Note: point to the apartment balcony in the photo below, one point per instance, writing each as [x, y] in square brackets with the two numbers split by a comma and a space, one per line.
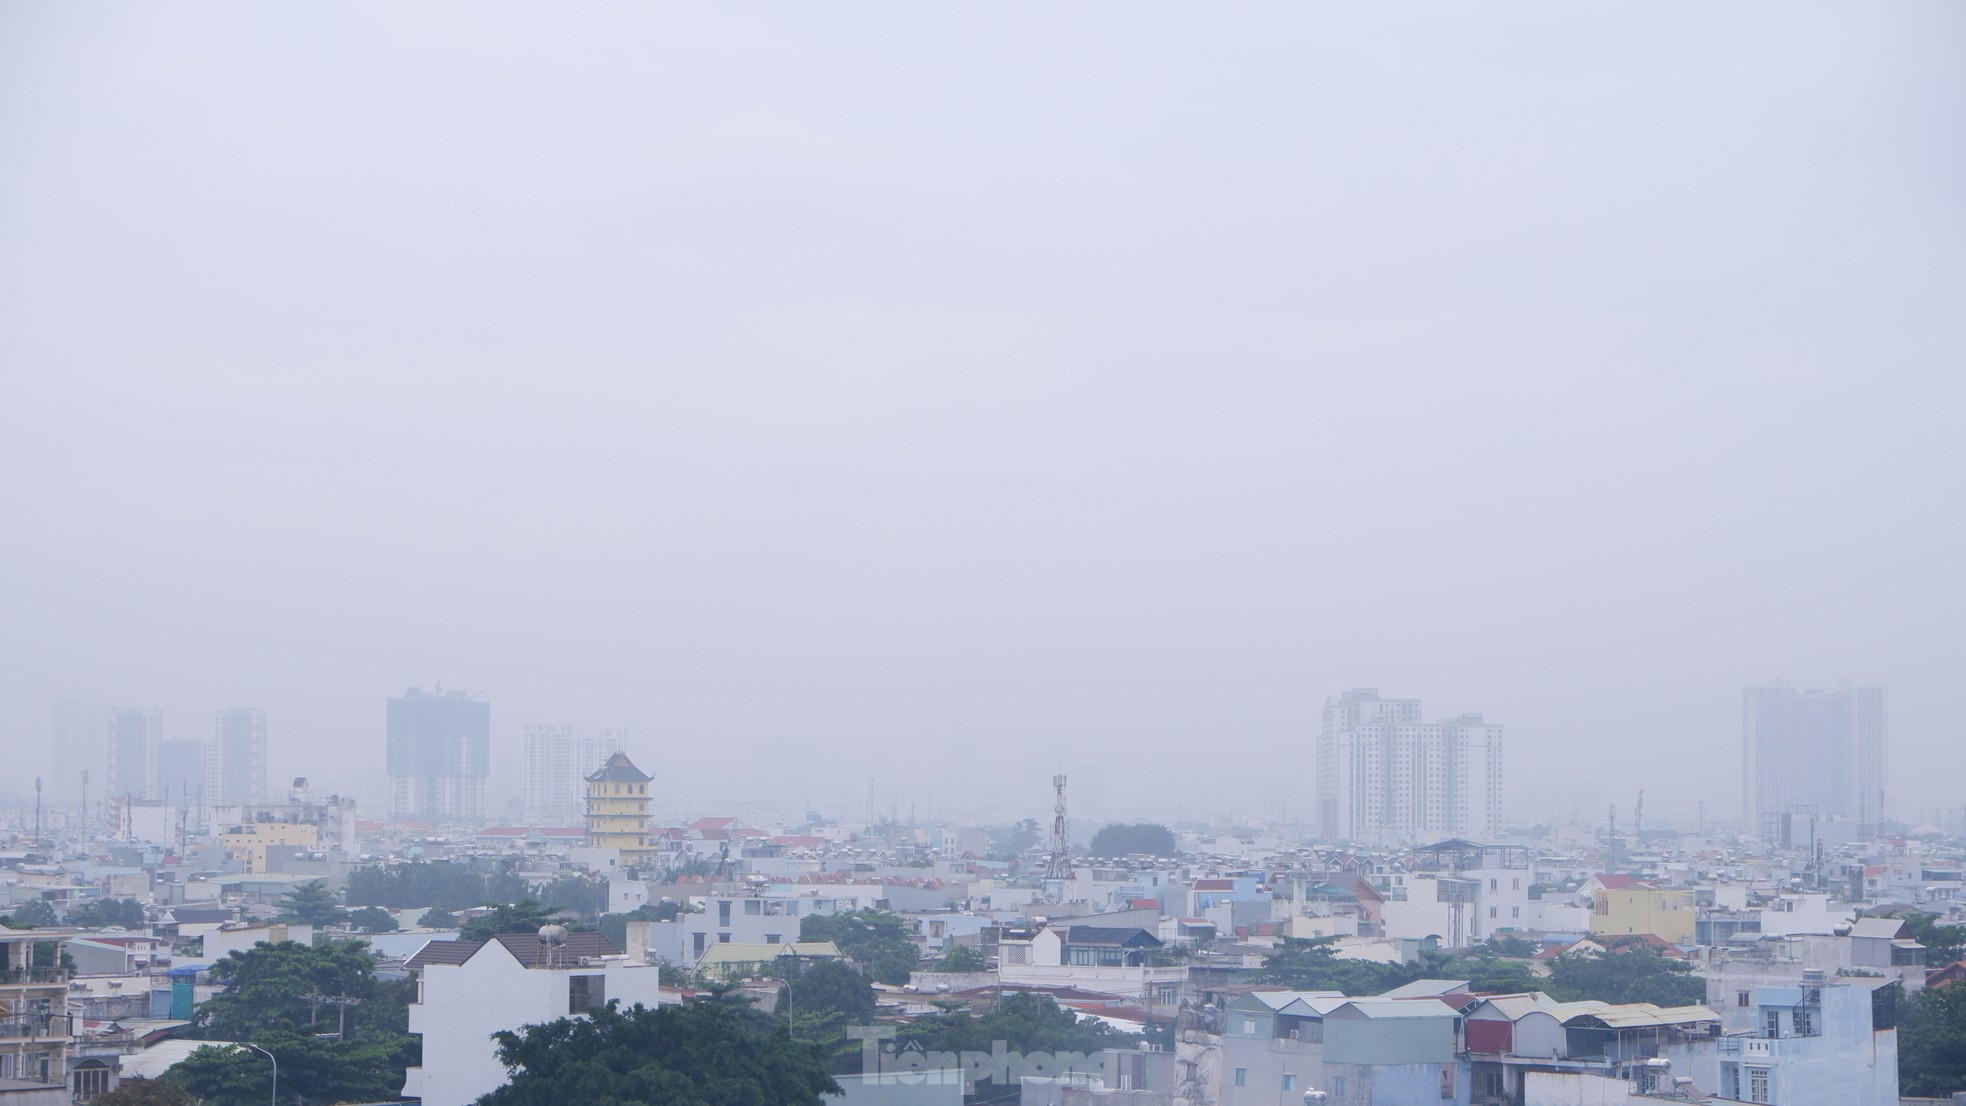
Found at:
[33, 1027]
[33, 975]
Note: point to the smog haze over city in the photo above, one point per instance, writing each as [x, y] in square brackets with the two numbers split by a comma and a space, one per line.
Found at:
[886, 408]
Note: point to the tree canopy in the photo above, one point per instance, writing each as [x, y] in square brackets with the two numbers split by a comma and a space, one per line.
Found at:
[138, 1091]
[1944, 944]
[702, 1053]
[875, 938]
[423, 883]
[1143, 838]
[312, 903]
[962, 958]
[1932, 1043]
[34, 914]
[265, 1002]
[1313, 965]
[103, 913]
[372, 919]
[1025, 1022]
[1628, 975]
[520, 917]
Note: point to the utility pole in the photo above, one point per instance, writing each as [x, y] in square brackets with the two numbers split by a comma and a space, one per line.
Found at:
[340, 1002]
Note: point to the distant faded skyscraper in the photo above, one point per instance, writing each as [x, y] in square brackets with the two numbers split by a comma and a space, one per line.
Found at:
[439, 755]
[1386, 776]
[239, 739]
[81, 740]
[134, 734]
[556, 761]
[187, 772]
[1817, 752]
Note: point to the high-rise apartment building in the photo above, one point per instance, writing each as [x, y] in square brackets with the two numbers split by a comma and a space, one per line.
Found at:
[239, 743]
[1385, 776]
[81, 740]
[134, 734]
[439, 755]
[556, 760]
[1814, 753]
[187, 778]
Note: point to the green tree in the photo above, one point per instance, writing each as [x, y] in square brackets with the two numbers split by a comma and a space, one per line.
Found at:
[962, 958]
[312, 903]
[1025, 1022]
[372, 919]
[104, 913]
[1508, 944]
[1009, 842]
[1932, 1043]
[266, 986]
[615, 926]
[875, 938]
[419, 883]
[1144, 838]
[146, 1092]
[1493, 974]
[35, 914]
[1944, 944]
[311, 1069]
[1313, 965]
[265, 1002]
[437, 918]
[520, 917]
[702, 1053]
[1631, 975]
[583, 895]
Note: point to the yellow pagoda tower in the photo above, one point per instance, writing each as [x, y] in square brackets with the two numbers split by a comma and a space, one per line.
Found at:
[618, 809]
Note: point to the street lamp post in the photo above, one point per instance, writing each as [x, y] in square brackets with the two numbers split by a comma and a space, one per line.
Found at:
[274, 1098]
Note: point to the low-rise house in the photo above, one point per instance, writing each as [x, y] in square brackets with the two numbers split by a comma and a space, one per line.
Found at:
[1822, 1042]
[469, 990]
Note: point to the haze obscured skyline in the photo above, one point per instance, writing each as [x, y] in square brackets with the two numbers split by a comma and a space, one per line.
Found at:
[949, 398]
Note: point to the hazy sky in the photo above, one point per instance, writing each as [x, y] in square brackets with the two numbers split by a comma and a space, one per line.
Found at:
[951, 395]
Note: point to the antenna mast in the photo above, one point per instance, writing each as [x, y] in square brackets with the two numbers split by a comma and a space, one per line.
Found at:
[1059, 867]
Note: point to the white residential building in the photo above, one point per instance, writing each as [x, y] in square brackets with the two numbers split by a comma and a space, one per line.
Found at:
[1819, 1043]
[467, 991]
[1384, 776]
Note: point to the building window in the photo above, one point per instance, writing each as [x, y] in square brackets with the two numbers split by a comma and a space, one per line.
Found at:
[698, 940]
[772, 938]
[1491, 912]
[1773, 1023]
[723, 913]
[1249, 1027]
[1803, 1025]
[1743, 999]
[585, 992]
[1289, 1080]
[1242, 1077]
[1757, 1084]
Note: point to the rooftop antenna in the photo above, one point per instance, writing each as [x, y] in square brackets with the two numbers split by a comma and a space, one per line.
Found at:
[1058, 866]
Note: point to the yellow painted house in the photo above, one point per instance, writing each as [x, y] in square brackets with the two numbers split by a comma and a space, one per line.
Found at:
[618, 810]
[1622, 905]
[250, 841]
